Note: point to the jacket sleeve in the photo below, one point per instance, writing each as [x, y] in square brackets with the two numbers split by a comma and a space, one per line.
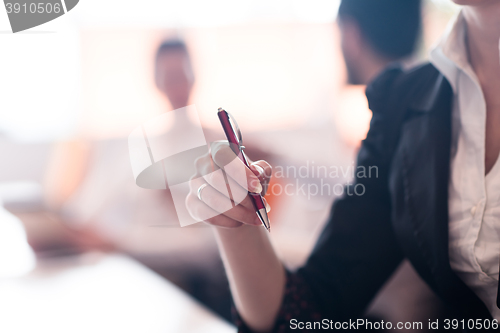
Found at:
[357, 250]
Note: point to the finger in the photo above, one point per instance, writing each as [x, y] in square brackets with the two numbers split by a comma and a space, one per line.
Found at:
[223, 205]
[204, 164]
[228, 187]
[220, 204]
[263, 171]
[226, 159]
[268, 207]
[215, 176]
[201, 212]
[221, 182]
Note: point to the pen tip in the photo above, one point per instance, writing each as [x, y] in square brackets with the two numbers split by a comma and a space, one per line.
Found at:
[221, 109]
[264, 218]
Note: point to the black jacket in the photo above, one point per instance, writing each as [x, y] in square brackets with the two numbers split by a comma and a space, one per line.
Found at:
[403, 212]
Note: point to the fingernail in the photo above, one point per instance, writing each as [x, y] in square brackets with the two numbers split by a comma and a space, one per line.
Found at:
[259, 169]
[257, 188]
[268, 208]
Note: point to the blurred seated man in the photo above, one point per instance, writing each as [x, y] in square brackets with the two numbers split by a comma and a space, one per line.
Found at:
[173, 72]
[174, 78]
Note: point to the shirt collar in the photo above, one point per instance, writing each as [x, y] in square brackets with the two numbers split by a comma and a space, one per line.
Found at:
[450, 55]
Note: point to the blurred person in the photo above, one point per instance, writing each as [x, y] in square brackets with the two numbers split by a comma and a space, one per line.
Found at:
[373, 35]
[173, 72]
[377, 33]
[174, 78]
[434, 142]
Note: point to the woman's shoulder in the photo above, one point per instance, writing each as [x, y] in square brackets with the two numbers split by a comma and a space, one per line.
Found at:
[396, 79]
[392, 95]
[398, 85]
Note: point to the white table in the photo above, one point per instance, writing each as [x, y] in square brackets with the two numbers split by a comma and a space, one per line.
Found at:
[101, 293]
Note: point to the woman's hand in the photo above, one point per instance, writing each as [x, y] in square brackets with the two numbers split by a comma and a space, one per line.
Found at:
[224, 181]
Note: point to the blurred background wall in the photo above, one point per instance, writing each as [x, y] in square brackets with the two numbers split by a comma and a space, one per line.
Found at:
[90, 73]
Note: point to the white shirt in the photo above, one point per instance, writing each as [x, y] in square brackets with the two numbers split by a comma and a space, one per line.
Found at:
[474, 199]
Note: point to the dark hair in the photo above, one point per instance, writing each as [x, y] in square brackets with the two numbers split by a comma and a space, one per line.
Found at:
[170, 45]
[392, 27]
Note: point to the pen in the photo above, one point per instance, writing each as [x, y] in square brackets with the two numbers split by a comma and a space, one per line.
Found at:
[233, 135]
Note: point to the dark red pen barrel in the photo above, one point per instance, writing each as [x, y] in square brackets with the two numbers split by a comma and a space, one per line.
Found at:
[257, 200]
